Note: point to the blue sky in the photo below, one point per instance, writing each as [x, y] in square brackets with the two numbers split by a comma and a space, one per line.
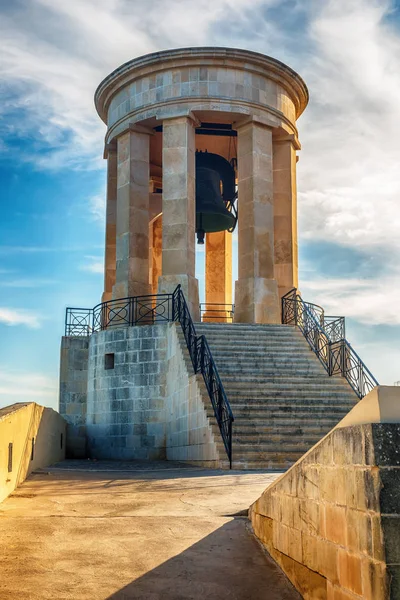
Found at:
[52, 175]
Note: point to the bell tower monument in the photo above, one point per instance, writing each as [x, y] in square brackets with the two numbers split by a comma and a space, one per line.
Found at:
[200, 146]
[201, 141]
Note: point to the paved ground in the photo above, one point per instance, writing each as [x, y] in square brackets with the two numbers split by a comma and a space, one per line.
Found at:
[97, 531]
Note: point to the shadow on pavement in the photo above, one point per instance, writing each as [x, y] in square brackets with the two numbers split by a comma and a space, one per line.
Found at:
[228, 563]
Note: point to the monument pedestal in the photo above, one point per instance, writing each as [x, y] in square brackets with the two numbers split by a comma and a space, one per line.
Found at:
[257, 301]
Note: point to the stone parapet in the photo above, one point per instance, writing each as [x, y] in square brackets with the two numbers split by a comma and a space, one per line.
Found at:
[31, 437]
[331, 522]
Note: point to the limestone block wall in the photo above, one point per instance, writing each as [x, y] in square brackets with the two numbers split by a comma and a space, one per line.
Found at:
[143, 401]
[332, 522]
[126, 409]
[190, 435]
[31, 437]
[73, 392]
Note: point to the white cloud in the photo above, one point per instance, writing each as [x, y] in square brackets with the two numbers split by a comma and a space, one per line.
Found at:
[97, 208]
[21, 386]
[348, 172]
[95, 264]
[56, 53]
[19, 316]
[26, 282]
[369, 301]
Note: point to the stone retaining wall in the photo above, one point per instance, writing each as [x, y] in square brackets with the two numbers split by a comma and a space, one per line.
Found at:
[31, 437]
[332, 522]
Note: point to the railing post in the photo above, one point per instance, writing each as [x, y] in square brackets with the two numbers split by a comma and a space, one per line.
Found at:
[295, 310]
[132, 311]
[173, 306]
[343, 358]
[230, 442]
[179, 304]
[202, 353]
[329, 357]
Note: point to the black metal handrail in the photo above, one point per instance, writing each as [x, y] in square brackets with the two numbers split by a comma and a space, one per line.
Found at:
[326, 337]
[147, 310]
[217, 312]
[203, 363]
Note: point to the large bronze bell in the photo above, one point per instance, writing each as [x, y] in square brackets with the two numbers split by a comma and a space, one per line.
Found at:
[215, 186]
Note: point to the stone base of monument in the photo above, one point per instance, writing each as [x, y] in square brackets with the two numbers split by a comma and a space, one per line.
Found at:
[257, 301]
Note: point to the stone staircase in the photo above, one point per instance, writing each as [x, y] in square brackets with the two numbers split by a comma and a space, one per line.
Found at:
[282, 399]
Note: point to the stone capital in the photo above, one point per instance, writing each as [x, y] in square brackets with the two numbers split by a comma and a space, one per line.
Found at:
[292, 138]
[184, 114]
[110, 148]
[136, 127]
[255, 120]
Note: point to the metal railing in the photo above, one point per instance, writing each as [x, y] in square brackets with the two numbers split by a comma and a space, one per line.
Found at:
[326, 336]
[212, 311]
[144, 310]
[147, 310]
[203, 363]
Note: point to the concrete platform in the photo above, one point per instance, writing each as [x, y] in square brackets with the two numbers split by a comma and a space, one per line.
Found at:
[88, 530]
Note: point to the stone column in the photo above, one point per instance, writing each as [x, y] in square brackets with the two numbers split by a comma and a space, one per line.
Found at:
[132, 272]
[179, 211]
[111, 225]
[218, 276]
[155, 252]
[285, 214]
[256, 297]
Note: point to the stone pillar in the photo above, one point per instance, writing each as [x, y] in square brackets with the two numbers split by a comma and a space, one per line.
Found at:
[132, 270]
[285, 214]
[256, 297]
[111, 225]
[179, 211]
[218, 276]
[155, 252]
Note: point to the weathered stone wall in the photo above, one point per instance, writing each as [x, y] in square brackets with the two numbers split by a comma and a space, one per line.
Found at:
[149, 405]
[37, 438]
[126, 409]
[190, 436]
[73, 392]
[332, 521]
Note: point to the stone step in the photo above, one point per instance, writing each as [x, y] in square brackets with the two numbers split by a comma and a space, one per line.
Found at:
[252, 339]
[273, 403]
[242, 350]
[289, 381]
[239, 390]
[286, 436]
[254, 336]
[272, 459]
[283, 426]
[250, 451]
[267, 371]
[287, 408]
[264, 414]
[270, 463]
[244, 358]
